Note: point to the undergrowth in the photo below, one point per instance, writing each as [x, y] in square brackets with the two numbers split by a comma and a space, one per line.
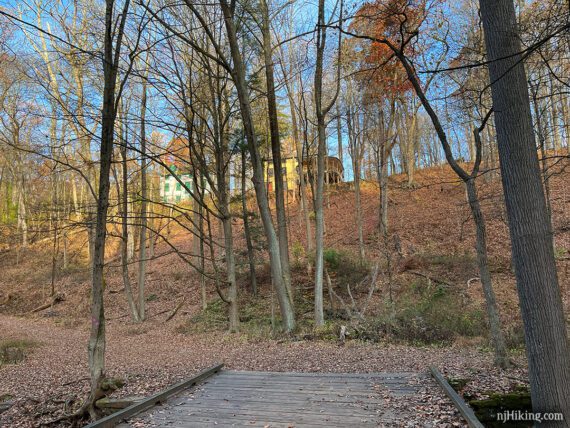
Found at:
[422, 315]
[13, 351]
[423, 312]
[426, 314]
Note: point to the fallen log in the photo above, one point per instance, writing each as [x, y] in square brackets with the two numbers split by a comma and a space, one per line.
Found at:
[56, 299]
[430, 278]
[175, 311]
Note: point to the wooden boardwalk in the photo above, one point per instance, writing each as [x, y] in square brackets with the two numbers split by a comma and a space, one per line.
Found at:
[275, 399]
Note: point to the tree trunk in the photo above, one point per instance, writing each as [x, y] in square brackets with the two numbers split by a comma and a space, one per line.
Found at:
[467, 178]
[501, 356]
[238, 75]
[356, 153]
[303, 185]
[135, 314]
[321, 153]
[319, 222]
[541, 132]
[321, 113]
[231, 271]
[198, 240]
[96, 348]
[411, 137]
[144, 214]
[339, 137]
[276, 149]
[555, 118]
[222, 159]
[22, 222]
[383, 191]
[247, 232]
[530, 228]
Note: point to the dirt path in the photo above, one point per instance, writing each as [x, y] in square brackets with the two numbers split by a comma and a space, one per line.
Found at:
[152, 356]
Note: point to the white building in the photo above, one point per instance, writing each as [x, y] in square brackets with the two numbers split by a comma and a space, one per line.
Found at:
[171, 190]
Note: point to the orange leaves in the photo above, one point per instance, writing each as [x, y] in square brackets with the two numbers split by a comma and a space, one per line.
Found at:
[177, 153]
[393, 21]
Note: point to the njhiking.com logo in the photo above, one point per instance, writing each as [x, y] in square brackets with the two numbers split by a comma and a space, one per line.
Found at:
[524, 416]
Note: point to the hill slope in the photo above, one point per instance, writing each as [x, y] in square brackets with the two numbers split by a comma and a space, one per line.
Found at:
[431, 243]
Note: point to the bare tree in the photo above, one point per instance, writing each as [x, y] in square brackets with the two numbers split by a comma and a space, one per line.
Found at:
[321, 111]
[530, 226]
[113, 42]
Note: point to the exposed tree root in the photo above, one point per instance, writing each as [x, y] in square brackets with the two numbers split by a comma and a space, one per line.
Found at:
[88, 410]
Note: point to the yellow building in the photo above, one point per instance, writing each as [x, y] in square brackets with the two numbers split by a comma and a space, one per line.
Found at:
[290, 174]
[290, 167]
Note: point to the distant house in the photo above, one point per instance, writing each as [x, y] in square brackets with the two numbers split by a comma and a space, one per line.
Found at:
[171, 190]
[290, 167]
[333, 170]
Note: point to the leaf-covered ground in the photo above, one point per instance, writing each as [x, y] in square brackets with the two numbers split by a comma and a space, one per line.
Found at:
[53, 377]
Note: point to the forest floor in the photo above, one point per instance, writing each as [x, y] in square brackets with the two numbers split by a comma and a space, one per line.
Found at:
[435, 319]
[148, 358]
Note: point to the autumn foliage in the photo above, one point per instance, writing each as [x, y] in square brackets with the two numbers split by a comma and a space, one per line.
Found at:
[386, 21]
[177, 153]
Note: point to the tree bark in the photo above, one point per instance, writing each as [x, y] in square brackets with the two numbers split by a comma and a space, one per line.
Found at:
[198, 240]
[275, 148]
[247, 232]
[321, 153]
[541, 132]
[22, 221]
[529, 224]
[321, 113]
[356, 154]
[501, 356]
[96, 348]
[135, 314]
[144, 199]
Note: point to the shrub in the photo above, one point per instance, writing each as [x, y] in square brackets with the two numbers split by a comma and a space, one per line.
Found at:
[346, 267]
[425, 315]
[13, 351]
[298, 252]
[332, 258]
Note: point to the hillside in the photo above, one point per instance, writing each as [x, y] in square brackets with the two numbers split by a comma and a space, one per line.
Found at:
[431, 235]
[436, 316]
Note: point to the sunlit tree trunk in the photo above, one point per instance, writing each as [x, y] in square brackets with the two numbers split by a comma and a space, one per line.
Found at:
[96, 348]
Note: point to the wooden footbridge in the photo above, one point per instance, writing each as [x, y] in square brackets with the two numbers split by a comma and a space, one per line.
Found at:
[228, 398]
